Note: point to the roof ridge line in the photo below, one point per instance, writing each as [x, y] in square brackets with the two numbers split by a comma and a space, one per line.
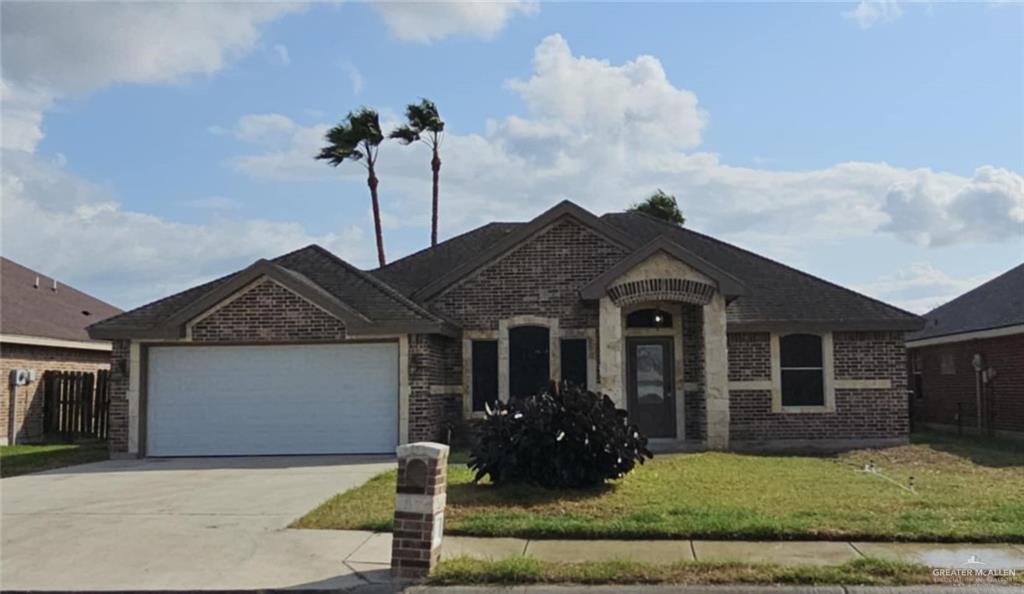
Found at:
[977, 288]
[776, 262]
[380, 284]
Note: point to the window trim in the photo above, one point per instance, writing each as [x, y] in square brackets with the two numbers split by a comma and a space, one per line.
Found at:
[828, 375]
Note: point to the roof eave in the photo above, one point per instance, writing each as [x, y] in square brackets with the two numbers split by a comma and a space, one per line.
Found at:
[900, 325]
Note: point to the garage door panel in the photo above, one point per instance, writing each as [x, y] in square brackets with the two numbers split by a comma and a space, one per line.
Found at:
[296, 399]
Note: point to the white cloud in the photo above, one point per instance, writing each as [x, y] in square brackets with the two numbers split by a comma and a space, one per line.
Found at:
[922, 287]
[428, 21]
[264, 128]
[281, 52]
[52, 50]
[73, 47]
[215, 203]
[129, 257]
[932, 210]
[869, 13]
[72, 228]
[355, 77]
[606, 135]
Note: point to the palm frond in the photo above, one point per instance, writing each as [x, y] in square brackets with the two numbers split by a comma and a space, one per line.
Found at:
[359, 128]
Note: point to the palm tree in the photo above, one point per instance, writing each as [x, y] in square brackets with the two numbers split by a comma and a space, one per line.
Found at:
[358, 138]
[424, 123]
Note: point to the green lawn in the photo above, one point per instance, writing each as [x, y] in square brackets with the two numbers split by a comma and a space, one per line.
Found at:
[526, 570]
[963, 490]
[23, 459]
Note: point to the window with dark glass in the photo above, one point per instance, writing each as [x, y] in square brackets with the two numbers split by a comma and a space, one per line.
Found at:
[529, 363]
[803, 373]
[574, 361]
[485, 373]
[649, 318]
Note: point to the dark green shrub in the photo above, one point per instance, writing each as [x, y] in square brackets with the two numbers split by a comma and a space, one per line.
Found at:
[557, 438]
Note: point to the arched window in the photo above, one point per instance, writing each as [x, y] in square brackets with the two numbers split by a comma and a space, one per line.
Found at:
[803, 372]
[649, 318]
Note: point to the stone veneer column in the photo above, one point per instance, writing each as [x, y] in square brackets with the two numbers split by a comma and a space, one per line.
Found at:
[609, 335]
[716, 374]
[419, 509]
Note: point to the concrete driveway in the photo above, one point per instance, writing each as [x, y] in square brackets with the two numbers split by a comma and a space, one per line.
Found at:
[180, 524]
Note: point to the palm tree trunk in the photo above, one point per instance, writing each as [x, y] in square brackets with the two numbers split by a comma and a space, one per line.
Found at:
[371, 180]
[435, 165]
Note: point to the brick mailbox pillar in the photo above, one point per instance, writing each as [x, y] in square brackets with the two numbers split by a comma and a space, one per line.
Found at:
[419, 509]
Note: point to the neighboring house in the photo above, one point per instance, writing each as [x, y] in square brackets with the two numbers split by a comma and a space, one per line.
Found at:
[970, 357]
[704, 344]
[42, 328]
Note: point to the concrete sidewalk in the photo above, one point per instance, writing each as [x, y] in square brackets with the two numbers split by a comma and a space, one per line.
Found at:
[987, 556]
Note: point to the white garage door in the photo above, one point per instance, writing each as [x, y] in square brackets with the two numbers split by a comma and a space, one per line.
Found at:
[239, 400]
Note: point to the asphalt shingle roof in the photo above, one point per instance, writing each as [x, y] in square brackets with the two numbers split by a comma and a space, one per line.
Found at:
[356, 288]
[26, 310]
[777, 293]
[995, 304]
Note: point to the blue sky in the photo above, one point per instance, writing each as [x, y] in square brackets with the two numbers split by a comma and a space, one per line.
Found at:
[878, 145]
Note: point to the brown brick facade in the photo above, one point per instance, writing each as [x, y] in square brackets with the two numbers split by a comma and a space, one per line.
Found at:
[750, 356]
[268, 312]
[943, 395]
[860, 414]
[434, 360]
[120, 366]
[693, 371]
[28, 402]
[541, 277]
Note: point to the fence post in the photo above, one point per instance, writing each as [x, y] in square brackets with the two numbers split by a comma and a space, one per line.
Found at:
[419, 509]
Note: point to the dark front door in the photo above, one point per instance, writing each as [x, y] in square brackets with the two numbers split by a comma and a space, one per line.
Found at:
[650, 385]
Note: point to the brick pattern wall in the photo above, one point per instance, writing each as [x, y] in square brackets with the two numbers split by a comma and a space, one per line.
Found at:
[693, 370]
[859, 414]
[433, 360]
[268, 312]
[865, 355]
[28, 402]
[541, 277]
[941, 393]
[750, 356]
[117, 436]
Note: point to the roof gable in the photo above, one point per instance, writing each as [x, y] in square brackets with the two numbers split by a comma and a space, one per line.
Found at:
[727, 284]
[995, 304]
[366, 304]
[521, 234]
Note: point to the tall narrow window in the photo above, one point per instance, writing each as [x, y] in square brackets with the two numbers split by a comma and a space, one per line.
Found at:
[574, 361]
[485, 373]
[529, 363]
[803, 374]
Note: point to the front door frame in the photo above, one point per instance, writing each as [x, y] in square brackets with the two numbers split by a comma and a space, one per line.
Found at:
[671, 428]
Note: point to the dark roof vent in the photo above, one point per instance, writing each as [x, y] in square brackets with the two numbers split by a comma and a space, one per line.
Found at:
[86, 312]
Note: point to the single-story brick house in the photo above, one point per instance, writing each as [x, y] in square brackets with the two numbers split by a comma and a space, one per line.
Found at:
[970, 357]
[705, 344]
[42, 328]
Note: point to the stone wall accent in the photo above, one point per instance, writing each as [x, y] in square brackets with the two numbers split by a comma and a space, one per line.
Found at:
[942, 392]
[860, 414]
[268, 312]
[117, 435]
[434, 360]
[750, 356]
[419, 509]
[716, 376]
[28, 399]
[541, 277]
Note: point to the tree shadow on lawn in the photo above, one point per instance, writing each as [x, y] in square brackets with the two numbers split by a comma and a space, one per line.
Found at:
[519, 494]
[983, 451]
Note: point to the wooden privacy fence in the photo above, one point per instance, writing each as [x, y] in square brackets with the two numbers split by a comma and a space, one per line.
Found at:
[76, 403]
